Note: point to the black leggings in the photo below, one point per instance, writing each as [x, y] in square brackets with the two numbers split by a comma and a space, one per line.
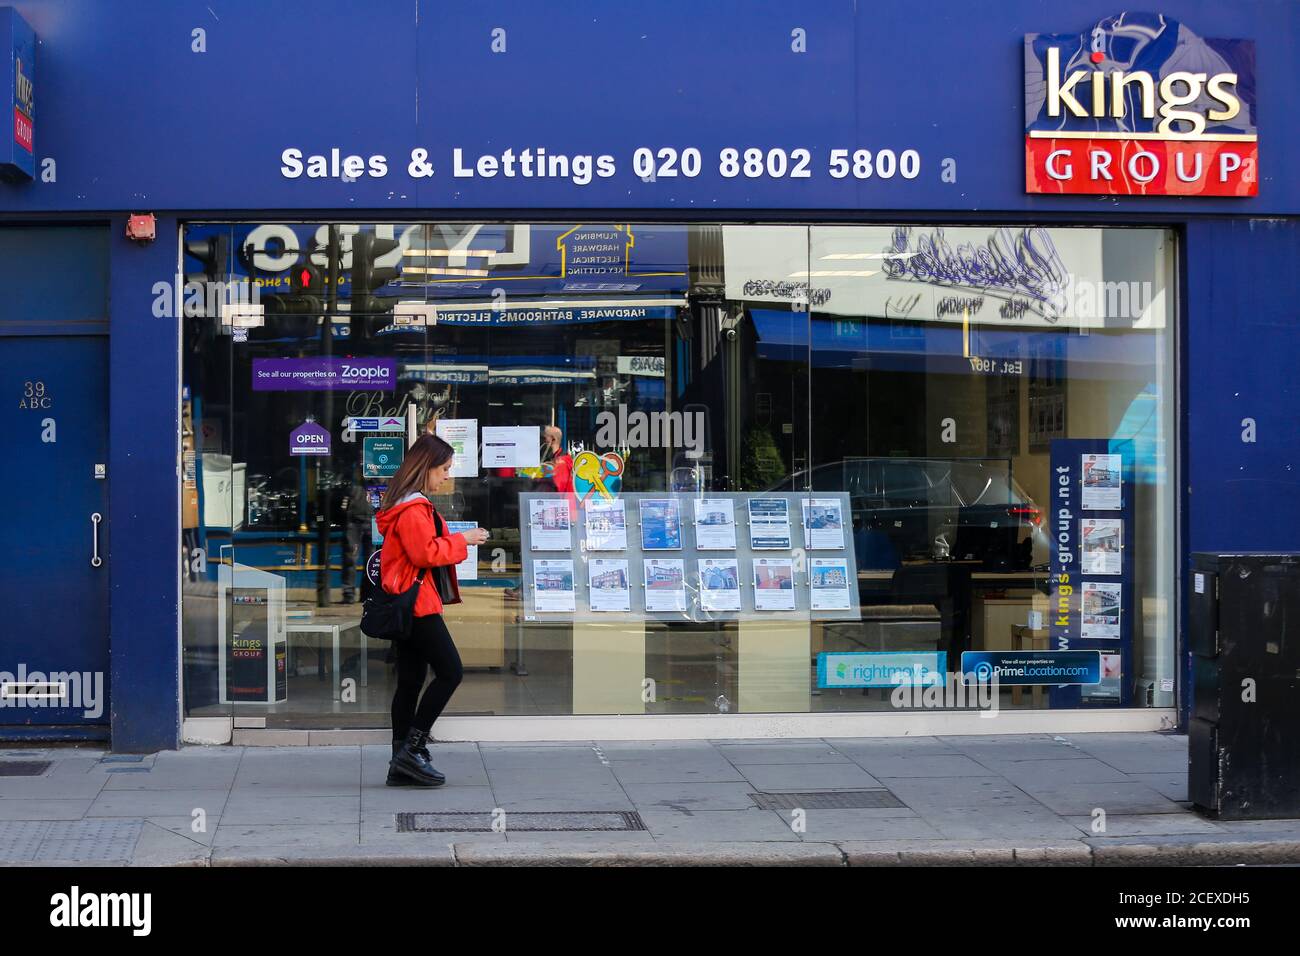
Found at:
[430, 644]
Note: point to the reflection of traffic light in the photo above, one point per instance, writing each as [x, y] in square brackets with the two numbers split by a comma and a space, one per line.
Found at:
[295, 314]
[203, 292]
[213, 253]
[367, 248]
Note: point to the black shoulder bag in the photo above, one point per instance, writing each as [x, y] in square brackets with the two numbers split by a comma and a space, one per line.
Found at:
[388, 617]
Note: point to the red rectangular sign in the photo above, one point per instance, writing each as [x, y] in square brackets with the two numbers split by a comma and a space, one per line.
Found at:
[21, 129]
[1141, 167]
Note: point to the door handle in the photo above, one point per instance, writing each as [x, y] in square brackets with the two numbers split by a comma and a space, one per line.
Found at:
[95, 559]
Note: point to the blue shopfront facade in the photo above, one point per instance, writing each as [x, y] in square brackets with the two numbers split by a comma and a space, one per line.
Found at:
[730, 112]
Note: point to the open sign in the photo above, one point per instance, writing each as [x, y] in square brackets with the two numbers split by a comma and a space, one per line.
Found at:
[309, 438]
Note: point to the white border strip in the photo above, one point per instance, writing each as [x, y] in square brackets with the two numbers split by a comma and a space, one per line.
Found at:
[744, 726]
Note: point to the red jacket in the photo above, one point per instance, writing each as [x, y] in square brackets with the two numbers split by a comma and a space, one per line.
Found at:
[411, 543]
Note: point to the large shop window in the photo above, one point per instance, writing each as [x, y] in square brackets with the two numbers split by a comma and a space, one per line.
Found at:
[813, 468]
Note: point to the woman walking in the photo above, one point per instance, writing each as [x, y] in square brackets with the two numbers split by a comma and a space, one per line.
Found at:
[416, 544]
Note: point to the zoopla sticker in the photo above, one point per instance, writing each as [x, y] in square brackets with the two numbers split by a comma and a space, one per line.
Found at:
[323, 374]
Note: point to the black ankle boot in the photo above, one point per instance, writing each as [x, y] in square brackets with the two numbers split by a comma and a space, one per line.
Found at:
[412, 761]
[395, 777]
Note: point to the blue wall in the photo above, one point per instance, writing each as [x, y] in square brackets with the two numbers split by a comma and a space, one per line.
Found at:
[135, 118]
[137, 121]
[1243, 341]
[144, 506]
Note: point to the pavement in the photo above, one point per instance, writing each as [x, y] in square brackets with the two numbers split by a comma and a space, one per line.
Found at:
[1079, 800]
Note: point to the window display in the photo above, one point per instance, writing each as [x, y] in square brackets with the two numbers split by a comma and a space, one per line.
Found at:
[846, 438]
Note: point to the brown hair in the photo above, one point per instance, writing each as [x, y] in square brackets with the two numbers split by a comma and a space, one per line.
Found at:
[426, 453]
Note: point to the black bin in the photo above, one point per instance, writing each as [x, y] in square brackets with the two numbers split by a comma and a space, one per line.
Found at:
[1244, 636]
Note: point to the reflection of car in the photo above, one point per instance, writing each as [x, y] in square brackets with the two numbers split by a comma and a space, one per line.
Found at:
[970, 508]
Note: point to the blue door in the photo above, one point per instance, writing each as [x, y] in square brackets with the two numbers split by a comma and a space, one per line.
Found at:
[54, 566]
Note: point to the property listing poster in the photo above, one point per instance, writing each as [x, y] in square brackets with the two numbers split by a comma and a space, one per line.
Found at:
[828, 579]
[553, 584]
[606, 523]
[661, 524]
[608, 586]
[1101, 545]
[1102, 476]
[773, 584]
[548, 524]
[715, 524]
[1109, 687]
[665, 584]
[823, 522]
[769, 524]
[719, 584]
[1101, 610]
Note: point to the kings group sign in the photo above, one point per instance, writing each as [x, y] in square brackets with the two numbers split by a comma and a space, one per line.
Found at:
[17, 149]
[1140, 105]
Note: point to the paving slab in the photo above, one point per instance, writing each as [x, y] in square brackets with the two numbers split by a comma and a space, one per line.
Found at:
[1016, 747]
[1143, 824]
[102, 840]
[189, 774]
[892, 746]
[890, 823]
[812, 752]
[426, 799]
[1080, 799]
[924, 764]
[932, 792]
[1138, 756]
[1171, 785]
[691, 796]
[184, 827]
[573, 800]
[248, 808]
[44, 809]
[515, 758]
[1029, 821]
[159, 846]
[716, 826]
[300, 835]
[1054, 771]
[52, 787]
[557, 778]
[784, 778]
[675, 771]
[157, 803]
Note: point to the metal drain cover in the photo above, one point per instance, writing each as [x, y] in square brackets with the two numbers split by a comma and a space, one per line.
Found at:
[827, 800]
[23, 768]
[521, 821]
